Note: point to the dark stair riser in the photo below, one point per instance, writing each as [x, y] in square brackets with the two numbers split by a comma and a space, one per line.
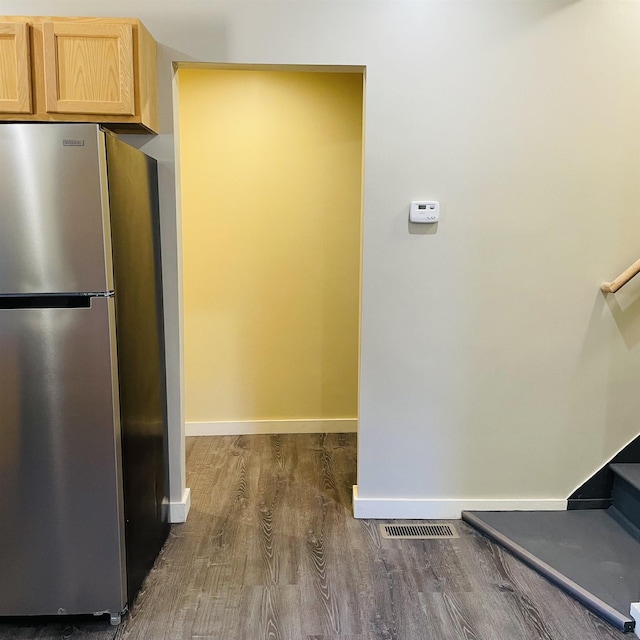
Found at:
[626, 505]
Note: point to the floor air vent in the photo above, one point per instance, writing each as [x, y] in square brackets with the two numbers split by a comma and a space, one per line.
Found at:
[418, 531]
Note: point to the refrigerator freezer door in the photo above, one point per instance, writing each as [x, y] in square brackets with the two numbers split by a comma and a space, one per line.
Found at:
[61, 529]
[53, 209]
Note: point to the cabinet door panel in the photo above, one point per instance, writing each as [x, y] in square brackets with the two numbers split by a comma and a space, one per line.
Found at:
[15, 68]
[88, 68]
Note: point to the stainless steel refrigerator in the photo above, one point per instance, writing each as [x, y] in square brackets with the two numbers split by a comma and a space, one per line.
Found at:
[82, 373]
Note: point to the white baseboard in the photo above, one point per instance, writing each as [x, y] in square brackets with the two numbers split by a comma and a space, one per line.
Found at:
[178, 511]
[332, 425]
[442, 508]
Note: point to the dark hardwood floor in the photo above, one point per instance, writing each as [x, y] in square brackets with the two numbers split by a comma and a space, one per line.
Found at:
[271, 551]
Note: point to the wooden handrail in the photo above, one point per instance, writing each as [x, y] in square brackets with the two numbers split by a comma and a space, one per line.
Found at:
[622, 279]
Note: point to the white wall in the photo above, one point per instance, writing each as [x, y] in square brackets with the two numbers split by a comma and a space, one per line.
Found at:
[492, 367]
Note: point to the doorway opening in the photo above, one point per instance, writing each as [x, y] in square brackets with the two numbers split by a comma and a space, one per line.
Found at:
[271, 165]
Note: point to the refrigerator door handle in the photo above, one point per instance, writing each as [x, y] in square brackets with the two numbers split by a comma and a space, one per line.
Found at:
[45, 302]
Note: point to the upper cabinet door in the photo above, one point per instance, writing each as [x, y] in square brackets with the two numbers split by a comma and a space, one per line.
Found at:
[15, 68]
[88, 68]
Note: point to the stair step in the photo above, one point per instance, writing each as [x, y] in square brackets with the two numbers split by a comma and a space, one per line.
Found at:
[626, 496]
[629, 472]
[584, 552]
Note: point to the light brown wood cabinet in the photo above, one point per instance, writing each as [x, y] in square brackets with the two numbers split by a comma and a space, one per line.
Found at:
[78, 70]
[15, 68]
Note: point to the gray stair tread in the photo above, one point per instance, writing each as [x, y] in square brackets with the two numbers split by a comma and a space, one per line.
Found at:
[587, 546]
[629, 472]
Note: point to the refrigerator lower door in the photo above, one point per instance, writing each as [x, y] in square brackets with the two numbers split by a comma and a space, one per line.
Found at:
[61, 528]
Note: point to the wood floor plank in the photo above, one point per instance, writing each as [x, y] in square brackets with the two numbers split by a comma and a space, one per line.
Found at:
[323, 598]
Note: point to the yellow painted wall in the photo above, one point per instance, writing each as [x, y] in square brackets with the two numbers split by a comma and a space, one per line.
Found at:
[271, 166]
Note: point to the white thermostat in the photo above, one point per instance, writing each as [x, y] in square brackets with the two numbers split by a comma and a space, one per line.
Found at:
[425, 211]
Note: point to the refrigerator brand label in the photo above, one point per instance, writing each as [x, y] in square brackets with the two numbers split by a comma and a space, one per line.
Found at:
[72, 143]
